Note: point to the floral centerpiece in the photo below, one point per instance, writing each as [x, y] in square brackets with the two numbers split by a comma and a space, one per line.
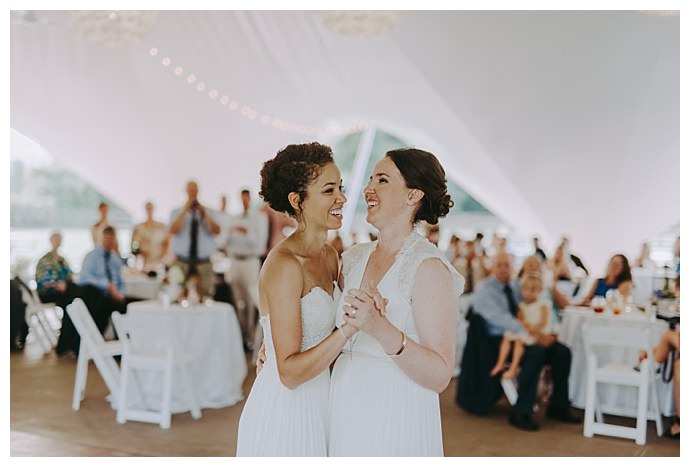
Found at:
[173, 284]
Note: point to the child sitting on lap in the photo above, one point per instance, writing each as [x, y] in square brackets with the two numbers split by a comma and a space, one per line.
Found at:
[534, 315]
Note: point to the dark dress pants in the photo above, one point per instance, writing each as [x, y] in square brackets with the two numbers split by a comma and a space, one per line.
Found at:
[535, 357]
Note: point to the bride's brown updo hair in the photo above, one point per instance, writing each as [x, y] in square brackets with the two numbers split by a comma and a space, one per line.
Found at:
[292, 169]
[422, 171]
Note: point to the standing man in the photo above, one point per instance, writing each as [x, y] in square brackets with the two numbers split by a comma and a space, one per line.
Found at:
[247, 237]
[193, 228]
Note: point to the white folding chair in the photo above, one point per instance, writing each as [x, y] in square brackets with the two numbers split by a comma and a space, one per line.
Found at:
[92, 346]
[600, 371]
[139, 355]
[37, 318]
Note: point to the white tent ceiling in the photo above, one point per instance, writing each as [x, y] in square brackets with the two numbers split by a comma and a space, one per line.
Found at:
[560, 122]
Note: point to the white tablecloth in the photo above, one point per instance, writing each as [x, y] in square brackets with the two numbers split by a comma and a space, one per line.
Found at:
[210, 335]
[614, 399]
[142, 287]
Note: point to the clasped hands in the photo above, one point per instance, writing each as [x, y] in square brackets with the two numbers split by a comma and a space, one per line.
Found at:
[365, 309]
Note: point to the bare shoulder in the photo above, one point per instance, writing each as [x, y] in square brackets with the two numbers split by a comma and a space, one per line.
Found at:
[433, 268]
[281, 267]
[433, 277]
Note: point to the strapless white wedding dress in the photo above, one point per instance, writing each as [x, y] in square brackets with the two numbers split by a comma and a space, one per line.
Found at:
[277, 421]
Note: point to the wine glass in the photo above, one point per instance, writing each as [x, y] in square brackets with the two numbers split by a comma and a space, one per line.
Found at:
[598, 304]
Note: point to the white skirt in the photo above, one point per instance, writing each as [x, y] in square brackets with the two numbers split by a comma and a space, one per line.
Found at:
[377, 410]
[277, 421]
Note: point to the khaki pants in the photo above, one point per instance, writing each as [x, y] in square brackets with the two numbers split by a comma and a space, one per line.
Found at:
[205, 272]
[244, 276]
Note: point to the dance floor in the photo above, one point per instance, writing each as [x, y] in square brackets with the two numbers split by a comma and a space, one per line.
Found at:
[42, 423]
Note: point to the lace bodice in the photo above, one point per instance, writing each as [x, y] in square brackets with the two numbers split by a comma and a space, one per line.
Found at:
[396, 285]
[414, 251]
[318, 318]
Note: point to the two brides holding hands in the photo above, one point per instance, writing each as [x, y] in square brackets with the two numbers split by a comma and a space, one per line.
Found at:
[391, 332]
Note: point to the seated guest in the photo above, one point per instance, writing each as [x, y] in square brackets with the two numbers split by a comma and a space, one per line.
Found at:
[100, 281]
[495, 303]
[54, 276]
[533, 314]
[532, 266]
[54, 285]
[669, 344]
[618, 277]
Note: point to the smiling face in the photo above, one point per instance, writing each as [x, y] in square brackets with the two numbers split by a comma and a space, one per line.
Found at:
[323, 205]
[502, 268]
[530, 290]
[615, 266]
[386, 195]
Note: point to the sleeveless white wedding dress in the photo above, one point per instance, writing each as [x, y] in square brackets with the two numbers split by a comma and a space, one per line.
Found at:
[375, 408]
[277, 421]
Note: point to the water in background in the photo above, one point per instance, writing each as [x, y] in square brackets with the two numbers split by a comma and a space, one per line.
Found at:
[28, 245]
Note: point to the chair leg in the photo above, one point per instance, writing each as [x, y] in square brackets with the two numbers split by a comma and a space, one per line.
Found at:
[590, 403]
[642, 407]
[167, 395]
[80, 379]
[47, 328]
[191, 392]
[122, 405]
[36, 326]
[656, 406]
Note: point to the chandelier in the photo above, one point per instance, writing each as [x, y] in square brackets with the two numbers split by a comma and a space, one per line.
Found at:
[360, 23]
[113, 28]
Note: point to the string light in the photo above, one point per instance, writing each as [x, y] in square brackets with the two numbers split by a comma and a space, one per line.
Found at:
[250, 113]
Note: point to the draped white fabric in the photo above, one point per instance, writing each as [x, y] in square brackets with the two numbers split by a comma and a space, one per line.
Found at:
[616, 399]
[209, 336]
[560, 122]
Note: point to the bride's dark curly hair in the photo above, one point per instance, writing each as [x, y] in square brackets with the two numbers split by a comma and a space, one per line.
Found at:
[421, 170]
[293, 168]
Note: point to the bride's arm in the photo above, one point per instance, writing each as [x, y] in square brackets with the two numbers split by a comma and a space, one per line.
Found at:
[283, 283]
[435, 311]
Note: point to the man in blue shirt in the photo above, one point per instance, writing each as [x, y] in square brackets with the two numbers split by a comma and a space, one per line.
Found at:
[495, 302]
[100, 280]
[100, 286]
[194, 227]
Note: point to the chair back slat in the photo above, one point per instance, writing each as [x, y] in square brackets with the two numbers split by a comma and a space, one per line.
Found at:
[609, 336]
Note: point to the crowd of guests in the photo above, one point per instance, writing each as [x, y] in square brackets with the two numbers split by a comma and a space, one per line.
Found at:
[511, 333]
[513, 306]
[194, 235]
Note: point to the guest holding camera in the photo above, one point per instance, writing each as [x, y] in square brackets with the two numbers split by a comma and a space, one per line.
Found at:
[193, 227]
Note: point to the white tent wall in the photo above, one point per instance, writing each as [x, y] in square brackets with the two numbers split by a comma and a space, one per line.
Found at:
[558, 122]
